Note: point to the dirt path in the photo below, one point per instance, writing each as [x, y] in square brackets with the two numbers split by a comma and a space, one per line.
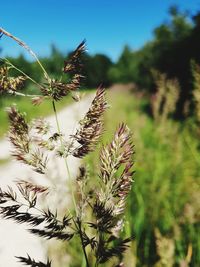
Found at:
[14, 239]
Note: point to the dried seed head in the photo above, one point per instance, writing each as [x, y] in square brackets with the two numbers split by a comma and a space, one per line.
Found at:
[19, 135]
[31, 262]
[105, 219]
[18, 132]
[82, 174]
[74, 65]
[38, 160]
[37, 100]
[75, 82]
[57, 89]
[30, 191]
[41, 126]
[116, 169]
[30, 187]
[9, 83]
[91, 126]
[118, 152]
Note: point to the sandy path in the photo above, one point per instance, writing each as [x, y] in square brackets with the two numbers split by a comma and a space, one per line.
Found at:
[14, 239]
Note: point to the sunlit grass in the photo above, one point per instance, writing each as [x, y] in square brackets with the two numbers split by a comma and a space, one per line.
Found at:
[165, 180]
[164, 195]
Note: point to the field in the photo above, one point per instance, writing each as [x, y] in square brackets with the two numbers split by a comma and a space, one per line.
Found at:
[114, 179]
[163, 210]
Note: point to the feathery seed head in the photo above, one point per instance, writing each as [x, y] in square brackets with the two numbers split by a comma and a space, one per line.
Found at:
[91, 126]
[74, 65]
[9, 83]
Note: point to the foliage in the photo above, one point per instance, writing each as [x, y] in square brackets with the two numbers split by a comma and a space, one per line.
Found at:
[96, 70]
[165, 99]
[174, 44]
[196, 91]
[123, 70]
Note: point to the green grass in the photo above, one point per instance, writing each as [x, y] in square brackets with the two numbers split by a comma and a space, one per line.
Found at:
[25, 105]
[3, 161]
[164, 195]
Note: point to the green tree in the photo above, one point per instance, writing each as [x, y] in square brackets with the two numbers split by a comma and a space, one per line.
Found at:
[54, 63]
[123, 70]
[96, 70]
[175, 43]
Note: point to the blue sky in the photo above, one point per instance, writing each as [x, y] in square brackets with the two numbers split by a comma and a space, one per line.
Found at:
[107, 25]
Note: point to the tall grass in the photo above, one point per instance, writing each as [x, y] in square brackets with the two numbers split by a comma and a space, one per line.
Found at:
[97, 233]
[163, 207]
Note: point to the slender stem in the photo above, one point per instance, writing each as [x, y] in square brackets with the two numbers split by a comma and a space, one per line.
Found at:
[77, 224]
[25, 46]
[26, 75]
[66, 164]
[82, 243]
[21, 94]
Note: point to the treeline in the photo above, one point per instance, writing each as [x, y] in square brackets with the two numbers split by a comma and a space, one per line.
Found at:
[95, 68]
[174, 45]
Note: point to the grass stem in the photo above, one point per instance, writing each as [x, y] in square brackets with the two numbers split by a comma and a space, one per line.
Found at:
[65, 160]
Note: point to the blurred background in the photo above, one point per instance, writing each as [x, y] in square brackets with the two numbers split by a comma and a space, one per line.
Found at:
[147, 53]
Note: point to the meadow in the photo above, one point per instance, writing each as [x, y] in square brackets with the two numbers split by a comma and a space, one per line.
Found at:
[163, 210]
[159, 215]
[163, 207]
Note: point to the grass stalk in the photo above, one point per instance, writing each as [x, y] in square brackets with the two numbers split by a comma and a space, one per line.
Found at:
[77, 224]
[26, 47]
[26, 75]
[65, 160]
